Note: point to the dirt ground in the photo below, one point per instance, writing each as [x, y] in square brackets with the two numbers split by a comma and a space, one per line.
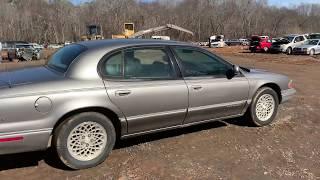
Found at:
[230, 149]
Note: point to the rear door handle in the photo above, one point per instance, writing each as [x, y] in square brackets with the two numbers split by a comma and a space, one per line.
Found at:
[196, 87]
[123, 92]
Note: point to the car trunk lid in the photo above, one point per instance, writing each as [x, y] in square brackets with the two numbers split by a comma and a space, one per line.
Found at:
[24, 76]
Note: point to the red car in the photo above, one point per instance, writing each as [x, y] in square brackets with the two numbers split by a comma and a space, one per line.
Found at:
[260, 43]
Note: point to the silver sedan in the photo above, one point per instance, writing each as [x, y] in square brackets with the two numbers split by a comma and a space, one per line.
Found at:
[93, 93]
[312, 47]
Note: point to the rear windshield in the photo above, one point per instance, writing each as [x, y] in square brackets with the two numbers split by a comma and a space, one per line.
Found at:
[62, 59]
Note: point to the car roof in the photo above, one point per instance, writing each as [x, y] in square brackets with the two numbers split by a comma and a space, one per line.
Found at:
[127, 42]
[294, 35]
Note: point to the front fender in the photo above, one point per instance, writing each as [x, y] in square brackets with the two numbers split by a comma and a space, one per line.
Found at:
[258, 79]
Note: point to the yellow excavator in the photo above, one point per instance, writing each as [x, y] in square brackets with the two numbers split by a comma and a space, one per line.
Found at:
[128, 31]
[93, 33]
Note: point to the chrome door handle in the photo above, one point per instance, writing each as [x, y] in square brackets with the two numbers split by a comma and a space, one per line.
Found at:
[196, 87]
[123, 92]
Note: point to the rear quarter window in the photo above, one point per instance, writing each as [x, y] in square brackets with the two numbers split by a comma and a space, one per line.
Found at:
[62, 59]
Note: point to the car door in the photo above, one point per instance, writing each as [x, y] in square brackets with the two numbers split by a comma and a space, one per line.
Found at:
[211, 94]
[299, 40]
[143, 83]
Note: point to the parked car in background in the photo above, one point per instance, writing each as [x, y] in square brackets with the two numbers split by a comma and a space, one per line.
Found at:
[264, 37]
[203, 43]
[314, 36]
[161, 37]
[288, 43]
[312, 47]
[233, 42]
[95, 92]
[27, 52]
[37, 46]
[54, 46]
[260, 43]
[244, 42]
[9, 50]
[216, 41]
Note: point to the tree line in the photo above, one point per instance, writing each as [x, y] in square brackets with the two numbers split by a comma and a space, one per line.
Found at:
[54, 21]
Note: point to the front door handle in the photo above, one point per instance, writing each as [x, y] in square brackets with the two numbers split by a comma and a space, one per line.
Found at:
[196, 87]
[123, 92]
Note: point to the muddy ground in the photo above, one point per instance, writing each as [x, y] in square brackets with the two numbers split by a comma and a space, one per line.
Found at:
[230, 149]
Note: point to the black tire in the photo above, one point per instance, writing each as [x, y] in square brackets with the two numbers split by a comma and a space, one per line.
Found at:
[251, 112]
[62, 132]
[289, 51]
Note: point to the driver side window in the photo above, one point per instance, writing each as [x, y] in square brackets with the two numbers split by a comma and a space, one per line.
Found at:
[197, 64]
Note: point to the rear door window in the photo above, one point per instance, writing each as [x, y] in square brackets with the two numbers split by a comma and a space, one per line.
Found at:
[147, 63]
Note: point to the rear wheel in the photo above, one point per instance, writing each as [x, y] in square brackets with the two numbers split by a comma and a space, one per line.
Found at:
[264, 107]
[84, 140]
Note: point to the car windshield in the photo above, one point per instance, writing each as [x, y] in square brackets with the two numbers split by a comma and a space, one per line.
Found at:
[313, 42]
[62, 59]
[289, 38]
[314, 36]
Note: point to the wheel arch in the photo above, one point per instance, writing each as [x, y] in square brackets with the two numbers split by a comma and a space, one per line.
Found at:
[275, 87]
[120, 127]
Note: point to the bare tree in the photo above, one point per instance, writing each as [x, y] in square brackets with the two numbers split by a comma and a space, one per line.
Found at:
[59, 20]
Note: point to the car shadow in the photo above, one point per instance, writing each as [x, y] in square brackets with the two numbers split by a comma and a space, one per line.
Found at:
[168, 134]
[32, 159]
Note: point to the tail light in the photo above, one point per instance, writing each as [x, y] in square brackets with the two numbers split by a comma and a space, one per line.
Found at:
[290, 84]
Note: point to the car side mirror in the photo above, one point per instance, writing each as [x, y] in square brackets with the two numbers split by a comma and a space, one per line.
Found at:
[231, 73]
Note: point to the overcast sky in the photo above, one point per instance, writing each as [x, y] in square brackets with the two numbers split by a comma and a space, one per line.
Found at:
[289, 3]
[286, 3]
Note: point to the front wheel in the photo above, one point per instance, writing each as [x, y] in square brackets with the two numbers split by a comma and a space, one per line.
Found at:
[289, 51]
[84, 140]
[264, 107]
[312, 52]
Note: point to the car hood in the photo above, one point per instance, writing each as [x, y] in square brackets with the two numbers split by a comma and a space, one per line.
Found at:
[261, 73]
[258, 77]
[253, 70]
[27, 76]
